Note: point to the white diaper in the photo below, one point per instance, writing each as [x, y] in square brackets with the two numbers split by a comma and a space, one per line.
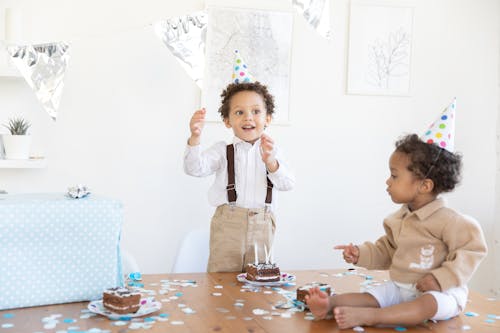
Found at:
[449, 303]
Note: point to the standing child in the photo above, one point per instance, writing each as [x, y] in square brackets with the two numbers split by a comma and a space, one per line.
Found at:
[431, 251]
[247, 173]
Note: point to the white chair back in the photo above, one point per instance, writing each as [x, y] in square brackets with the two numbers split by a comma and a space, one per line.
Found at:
[192, 256]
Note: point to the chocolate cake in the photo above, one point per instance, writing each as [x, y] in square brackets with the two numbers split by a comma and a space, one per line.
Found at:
[121, 300]
[263, 272]
[304, 290]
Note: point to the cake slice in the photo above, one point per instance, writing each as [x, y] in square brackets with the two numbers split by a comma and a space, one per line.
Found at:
[263, 272]
[304, 290]
[121, 300]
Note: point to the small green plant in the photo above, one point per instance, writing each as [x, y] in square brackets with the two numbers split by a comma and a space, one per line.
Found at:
[18, 126]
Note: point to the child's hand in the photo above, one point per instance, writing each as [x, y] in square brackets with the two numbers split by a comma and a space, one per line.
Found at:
[266, 150]
[351, 252]
[196, 126]
[428, 282]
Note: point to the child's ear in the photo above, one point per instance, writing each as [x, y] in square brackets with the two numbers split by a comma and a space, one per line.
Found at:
[269, 118]
[427, 185]
[226, 122]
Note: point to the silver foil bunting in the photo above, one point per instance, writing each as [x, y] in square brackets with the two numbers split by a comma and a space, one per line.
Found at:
[43, 66]
[185, 37]
[316, 13]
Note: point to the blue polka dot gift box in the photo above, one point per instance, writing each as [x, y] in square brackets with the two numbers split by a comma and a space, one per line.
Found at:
[55, 249]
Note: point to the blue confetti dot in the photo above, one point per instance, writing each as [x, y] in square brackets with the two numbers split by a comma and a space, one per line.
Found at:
[68, 320]
[8, 315]
[492, 316]
[236, 81]
[237, 68]
[179, 294]
[444, 117]
[471, 314]
[149, 320]
[400, 329]
[164, 315]
[135, 276]
[369, 277]
[490, 321]
[125, 318]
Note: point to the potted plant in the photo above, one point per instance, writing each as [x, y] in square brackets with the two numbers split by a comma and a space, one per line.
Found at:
[17, 143]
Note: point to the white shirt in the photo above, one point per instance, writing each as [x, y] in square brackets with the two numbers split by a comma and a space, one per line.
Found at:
[249, 169]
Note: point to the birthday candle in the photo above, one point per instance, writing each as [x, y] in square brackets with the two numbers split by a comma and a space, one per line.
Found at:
[267, 256]
[271, 253]
[256, 257]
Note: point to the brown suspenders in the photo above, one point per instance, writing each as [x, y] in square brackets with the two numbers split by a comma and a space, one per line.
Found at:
[231, 189]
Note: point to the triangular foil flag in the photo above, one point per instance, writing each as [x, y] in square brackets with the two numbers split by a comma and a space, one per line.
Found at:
[185, 37]
[43, 67]
[240, 70]
[442, 131]
[316, 13]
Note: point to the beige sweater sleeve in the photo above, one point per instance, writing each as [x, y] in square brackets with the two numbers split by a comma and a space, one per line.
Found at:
[377, 255]
[467, 247]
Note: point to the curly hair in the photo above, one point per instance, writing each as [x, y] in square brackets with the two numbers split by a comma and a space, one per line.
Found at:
[234, 88]
[430, 161]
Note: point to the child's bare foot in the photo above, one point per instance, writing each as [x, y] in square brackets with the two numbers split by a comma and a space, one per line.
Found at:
[318, 303]
[347, 317]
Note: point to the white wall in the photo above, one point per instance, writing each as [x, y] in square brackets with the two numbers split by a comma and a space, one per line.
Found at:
[123, 123]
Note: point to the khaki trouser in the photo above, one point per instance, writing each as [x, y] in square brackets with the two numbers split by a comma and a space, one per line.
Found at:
[233, 233]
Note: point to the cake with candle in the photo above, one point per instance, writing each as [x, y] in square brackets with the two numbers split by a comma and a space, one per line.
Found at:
[304, 290]
[263, 272]
[121, 300]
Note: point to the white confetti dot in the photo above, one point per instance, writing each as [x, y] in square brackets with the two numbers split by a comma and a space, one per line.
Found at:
[216, 294]
[120, 323]
[177, 322]
[259, 312]
[49, 326]
[188, 311]
[358, 329]
[7, 325]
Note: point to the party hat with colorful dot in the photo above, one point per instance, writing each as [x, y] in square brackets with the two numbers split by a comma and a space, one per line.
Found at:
[240, 70]
[442, 131]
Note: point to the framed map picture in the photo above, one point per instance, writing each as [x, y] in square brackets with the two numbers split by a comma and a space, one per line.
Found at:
[380, 43]
[263, 39]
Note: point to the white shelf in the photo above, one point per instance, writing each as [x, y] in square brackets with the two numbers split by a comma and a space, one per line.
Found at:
[32, 163]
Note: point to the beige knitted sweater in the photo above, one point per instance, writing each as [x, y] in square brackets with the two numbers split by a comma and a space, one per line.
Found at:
[433, 239]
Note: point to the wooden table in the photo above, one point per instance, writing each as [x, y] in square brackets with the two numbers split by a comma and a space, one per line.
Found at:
[221, 313]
